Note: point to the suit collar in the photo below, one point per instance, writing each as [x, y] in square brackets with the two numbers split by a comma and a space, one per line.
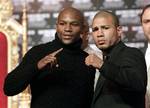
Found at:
[113, 52]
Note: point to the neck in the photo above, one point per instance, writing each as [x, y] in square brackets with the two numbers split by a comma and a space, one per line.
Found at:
[72, 46]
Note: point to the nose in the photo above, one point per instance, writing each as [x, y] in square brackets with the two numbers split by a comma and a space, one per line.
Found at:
[100, 33]
[68, 27]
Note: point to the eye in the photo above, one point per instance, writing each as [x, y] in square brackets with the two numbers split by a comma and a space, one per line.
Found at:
[75, 24]
[95, 29]
[146, 21]
[61, 23]
[105, 27]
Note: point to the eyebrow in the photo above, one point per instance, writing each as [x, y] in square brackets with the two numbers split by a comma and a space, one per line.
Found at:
[72, 21]
[146, 20]
[103, 26]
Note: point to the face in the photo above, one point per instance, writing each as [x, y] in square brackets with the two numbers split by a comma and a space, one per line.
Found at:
[85, 36]
[104, 32]
[69, 27]
[146, 23]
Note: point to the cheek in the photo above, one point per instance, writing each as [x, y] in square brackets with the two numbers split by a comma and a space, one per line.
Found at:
[146, 28]
[94, 37]
[77, 31]
[111, 39]
[59, 28]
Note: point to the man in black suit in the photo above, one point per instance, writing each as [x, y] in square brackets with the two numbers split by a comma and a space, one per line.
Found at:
[123, 77]
[145, 21]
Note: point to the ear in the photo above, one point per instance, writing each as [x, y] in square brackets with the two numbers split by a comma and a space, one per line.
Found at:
[82, 29]
[56, 25]
[119, 30]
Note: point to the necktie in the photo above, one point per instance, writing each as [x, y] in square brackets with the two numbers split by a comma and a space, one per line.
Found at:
[104, 57]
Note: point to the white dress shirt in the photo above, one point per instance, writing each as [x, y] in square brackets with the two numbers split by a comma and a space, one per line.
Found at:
[147, 59]
[148, 90]
[147, 56]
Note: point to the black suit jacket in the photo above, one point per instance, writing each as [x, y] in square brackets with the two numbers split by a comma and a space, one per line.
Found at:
[123, 79]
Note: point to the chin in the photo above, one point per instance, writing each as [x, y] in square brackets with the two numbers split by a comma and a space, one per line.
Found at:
[67, 42]
[102, 47]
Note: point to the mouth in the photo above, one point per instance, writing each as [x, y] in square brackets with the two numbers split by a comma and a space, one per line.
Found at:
[67, 35]
[101, 42]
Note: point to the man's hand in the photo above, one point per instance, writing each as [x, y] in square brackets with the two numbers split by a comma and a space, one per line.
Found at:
[93, 60]
[49, 59]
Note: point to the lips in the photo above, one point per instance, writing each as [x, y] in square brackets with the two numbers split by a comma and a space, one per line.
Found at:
[100, 42]
[67, 36]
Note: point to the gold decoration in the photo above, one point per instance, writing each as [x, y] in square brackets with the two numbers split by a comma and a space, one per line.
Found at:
[25, 95]
[12, 29]
[6, 9]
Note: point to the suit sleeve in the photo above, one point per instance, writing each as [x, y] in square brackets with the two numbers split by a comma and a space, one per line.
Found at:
[128, 70]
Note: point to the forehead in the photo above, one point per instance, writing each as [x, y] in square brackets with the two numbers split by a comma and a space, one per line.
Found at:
[146, 14]
[70, 16]
[100, 20]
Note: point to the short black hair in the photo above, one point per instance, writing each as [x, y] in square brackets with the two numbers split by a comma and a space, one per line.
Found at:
[143, 10]
[114, 16]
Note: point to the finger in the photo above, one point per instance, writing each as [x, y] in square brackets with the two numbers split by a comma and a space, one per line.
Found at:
[91, 57]
[87, 60]
[56, 52]
[54, 63]
[51, 60]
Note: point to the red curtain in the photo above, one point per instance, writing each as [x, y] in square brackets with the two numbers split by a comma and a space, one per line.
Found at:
[3, 68]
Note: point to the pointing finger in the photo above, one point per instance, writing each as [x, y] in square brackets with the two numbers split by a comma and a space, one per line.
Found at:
[56, 52]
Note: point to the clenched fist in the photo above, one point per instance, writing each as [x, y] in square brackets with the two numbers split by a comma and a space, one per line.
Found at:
[93, 60]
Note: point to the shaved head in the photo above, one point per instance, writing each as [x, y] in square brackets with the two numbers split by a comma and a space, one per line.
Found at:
[69, 25]
[74, 12]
